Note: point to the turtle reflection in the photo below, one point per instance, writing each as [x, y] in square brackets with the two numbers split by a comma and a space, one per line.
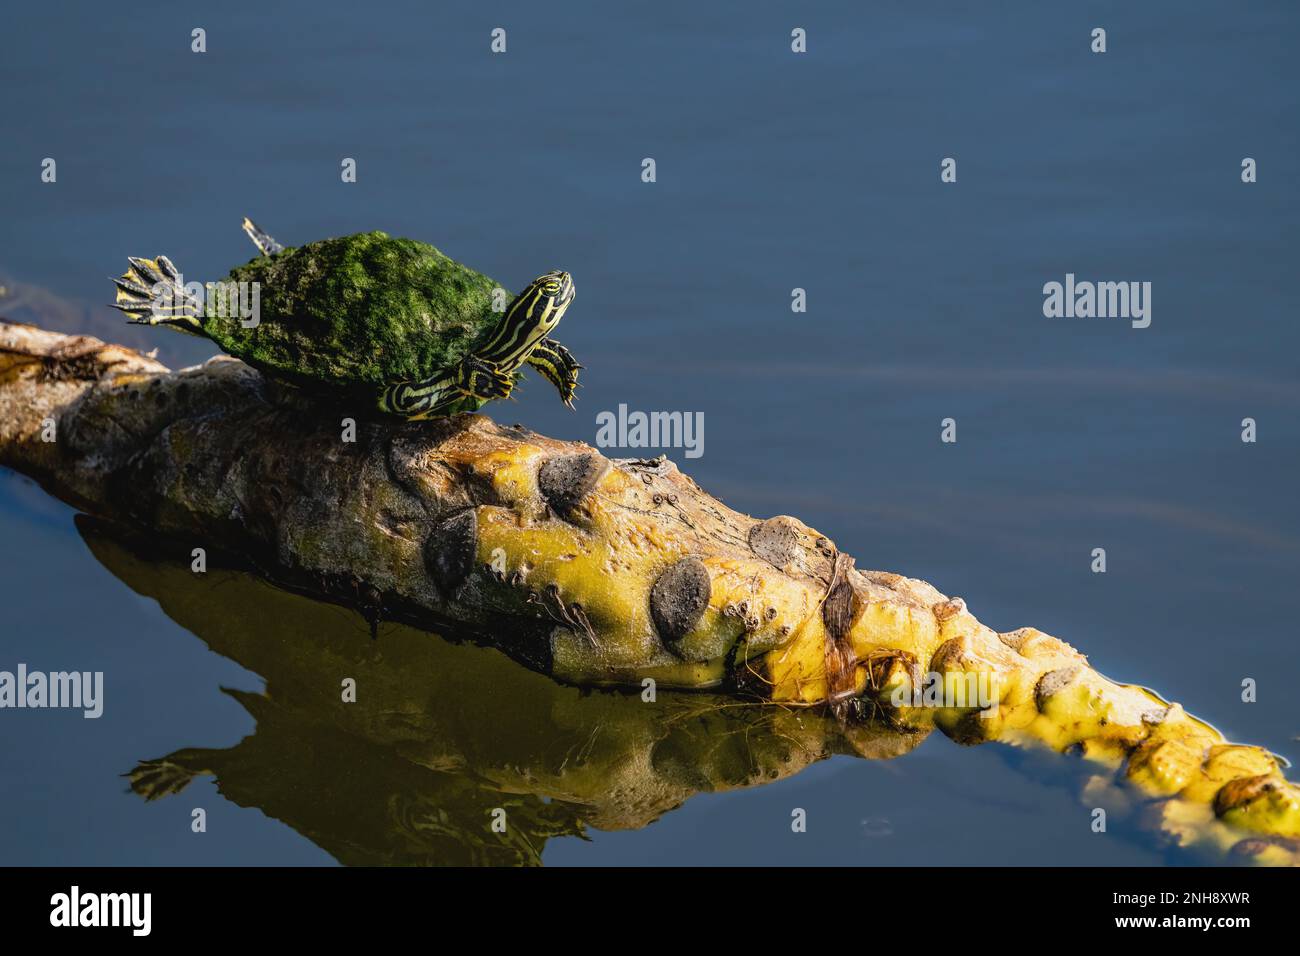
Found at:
[442, 735]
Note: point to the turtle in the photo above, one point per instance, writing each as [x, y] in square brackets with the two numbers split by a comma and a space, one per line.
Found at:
[392, 319]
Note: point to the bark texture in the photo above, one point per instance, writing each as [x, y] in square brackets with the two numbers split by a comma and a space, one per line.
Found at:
[596, 571]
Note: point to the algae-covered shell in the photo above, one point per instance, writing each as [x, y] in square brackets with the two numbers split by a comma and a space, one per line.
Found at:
[360, 310]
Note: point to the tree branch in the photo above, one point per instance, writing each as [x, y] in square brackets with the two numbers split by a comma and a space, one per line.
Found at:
[596, 571]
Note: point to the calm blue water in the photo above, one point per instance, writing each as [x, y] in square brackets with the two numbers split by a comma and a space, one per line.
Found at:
[774, 171]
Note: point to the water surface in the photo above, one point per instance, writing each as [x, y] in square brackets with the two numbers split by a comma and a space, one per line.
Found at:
[775, 171]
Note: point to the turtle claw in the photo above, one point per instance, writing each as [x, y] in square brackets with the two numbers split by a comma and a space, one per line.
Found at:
[558, 365]
[145, 270]
[150, 293]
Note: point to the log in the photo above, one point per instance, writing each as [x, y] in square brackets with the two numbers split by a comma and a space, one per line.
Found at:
[595, 571]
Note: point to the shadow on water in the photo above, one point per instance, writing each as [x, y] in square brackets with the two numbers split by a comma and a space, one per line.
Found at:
[442, 735]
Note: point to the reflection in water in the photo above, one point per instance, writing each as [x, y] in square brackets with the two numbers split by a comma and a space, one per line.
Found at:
[443, 734]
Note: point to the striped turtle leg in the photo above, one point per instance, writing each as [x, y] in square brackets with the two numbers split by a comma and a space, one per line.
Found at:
[151, 292]
[463, 388]
[559, 366]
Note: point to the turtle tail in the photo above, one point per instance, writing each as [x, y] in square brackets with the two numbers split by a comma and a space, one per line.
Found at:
[265, 244]
[151, 292]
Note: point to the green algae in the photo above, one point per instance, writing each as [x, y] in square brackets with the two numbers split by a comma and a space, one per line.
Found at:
[361, 310]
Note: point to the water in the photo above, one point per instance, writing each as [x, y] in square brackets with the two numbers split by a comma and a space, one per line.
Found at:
[774, 171]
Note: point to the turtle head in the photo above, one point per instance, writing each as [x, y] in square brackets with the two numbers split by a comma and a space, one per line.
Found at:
[528, 319]
[548, 296]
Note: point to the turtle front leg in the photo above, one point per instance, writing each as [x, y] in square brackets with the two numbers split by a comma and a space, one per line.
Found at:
[559, 366]
[471, 383]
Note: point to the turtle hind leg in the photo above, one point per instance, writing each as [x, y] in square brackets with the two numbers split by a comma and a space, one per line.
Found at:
[265, 244]
[466, 387]
[152, 779]
[558, 365]
[151, 292]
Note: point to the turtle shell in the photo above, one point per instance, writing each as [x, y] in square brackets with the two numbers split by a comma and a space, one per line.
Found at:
[361, 310]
